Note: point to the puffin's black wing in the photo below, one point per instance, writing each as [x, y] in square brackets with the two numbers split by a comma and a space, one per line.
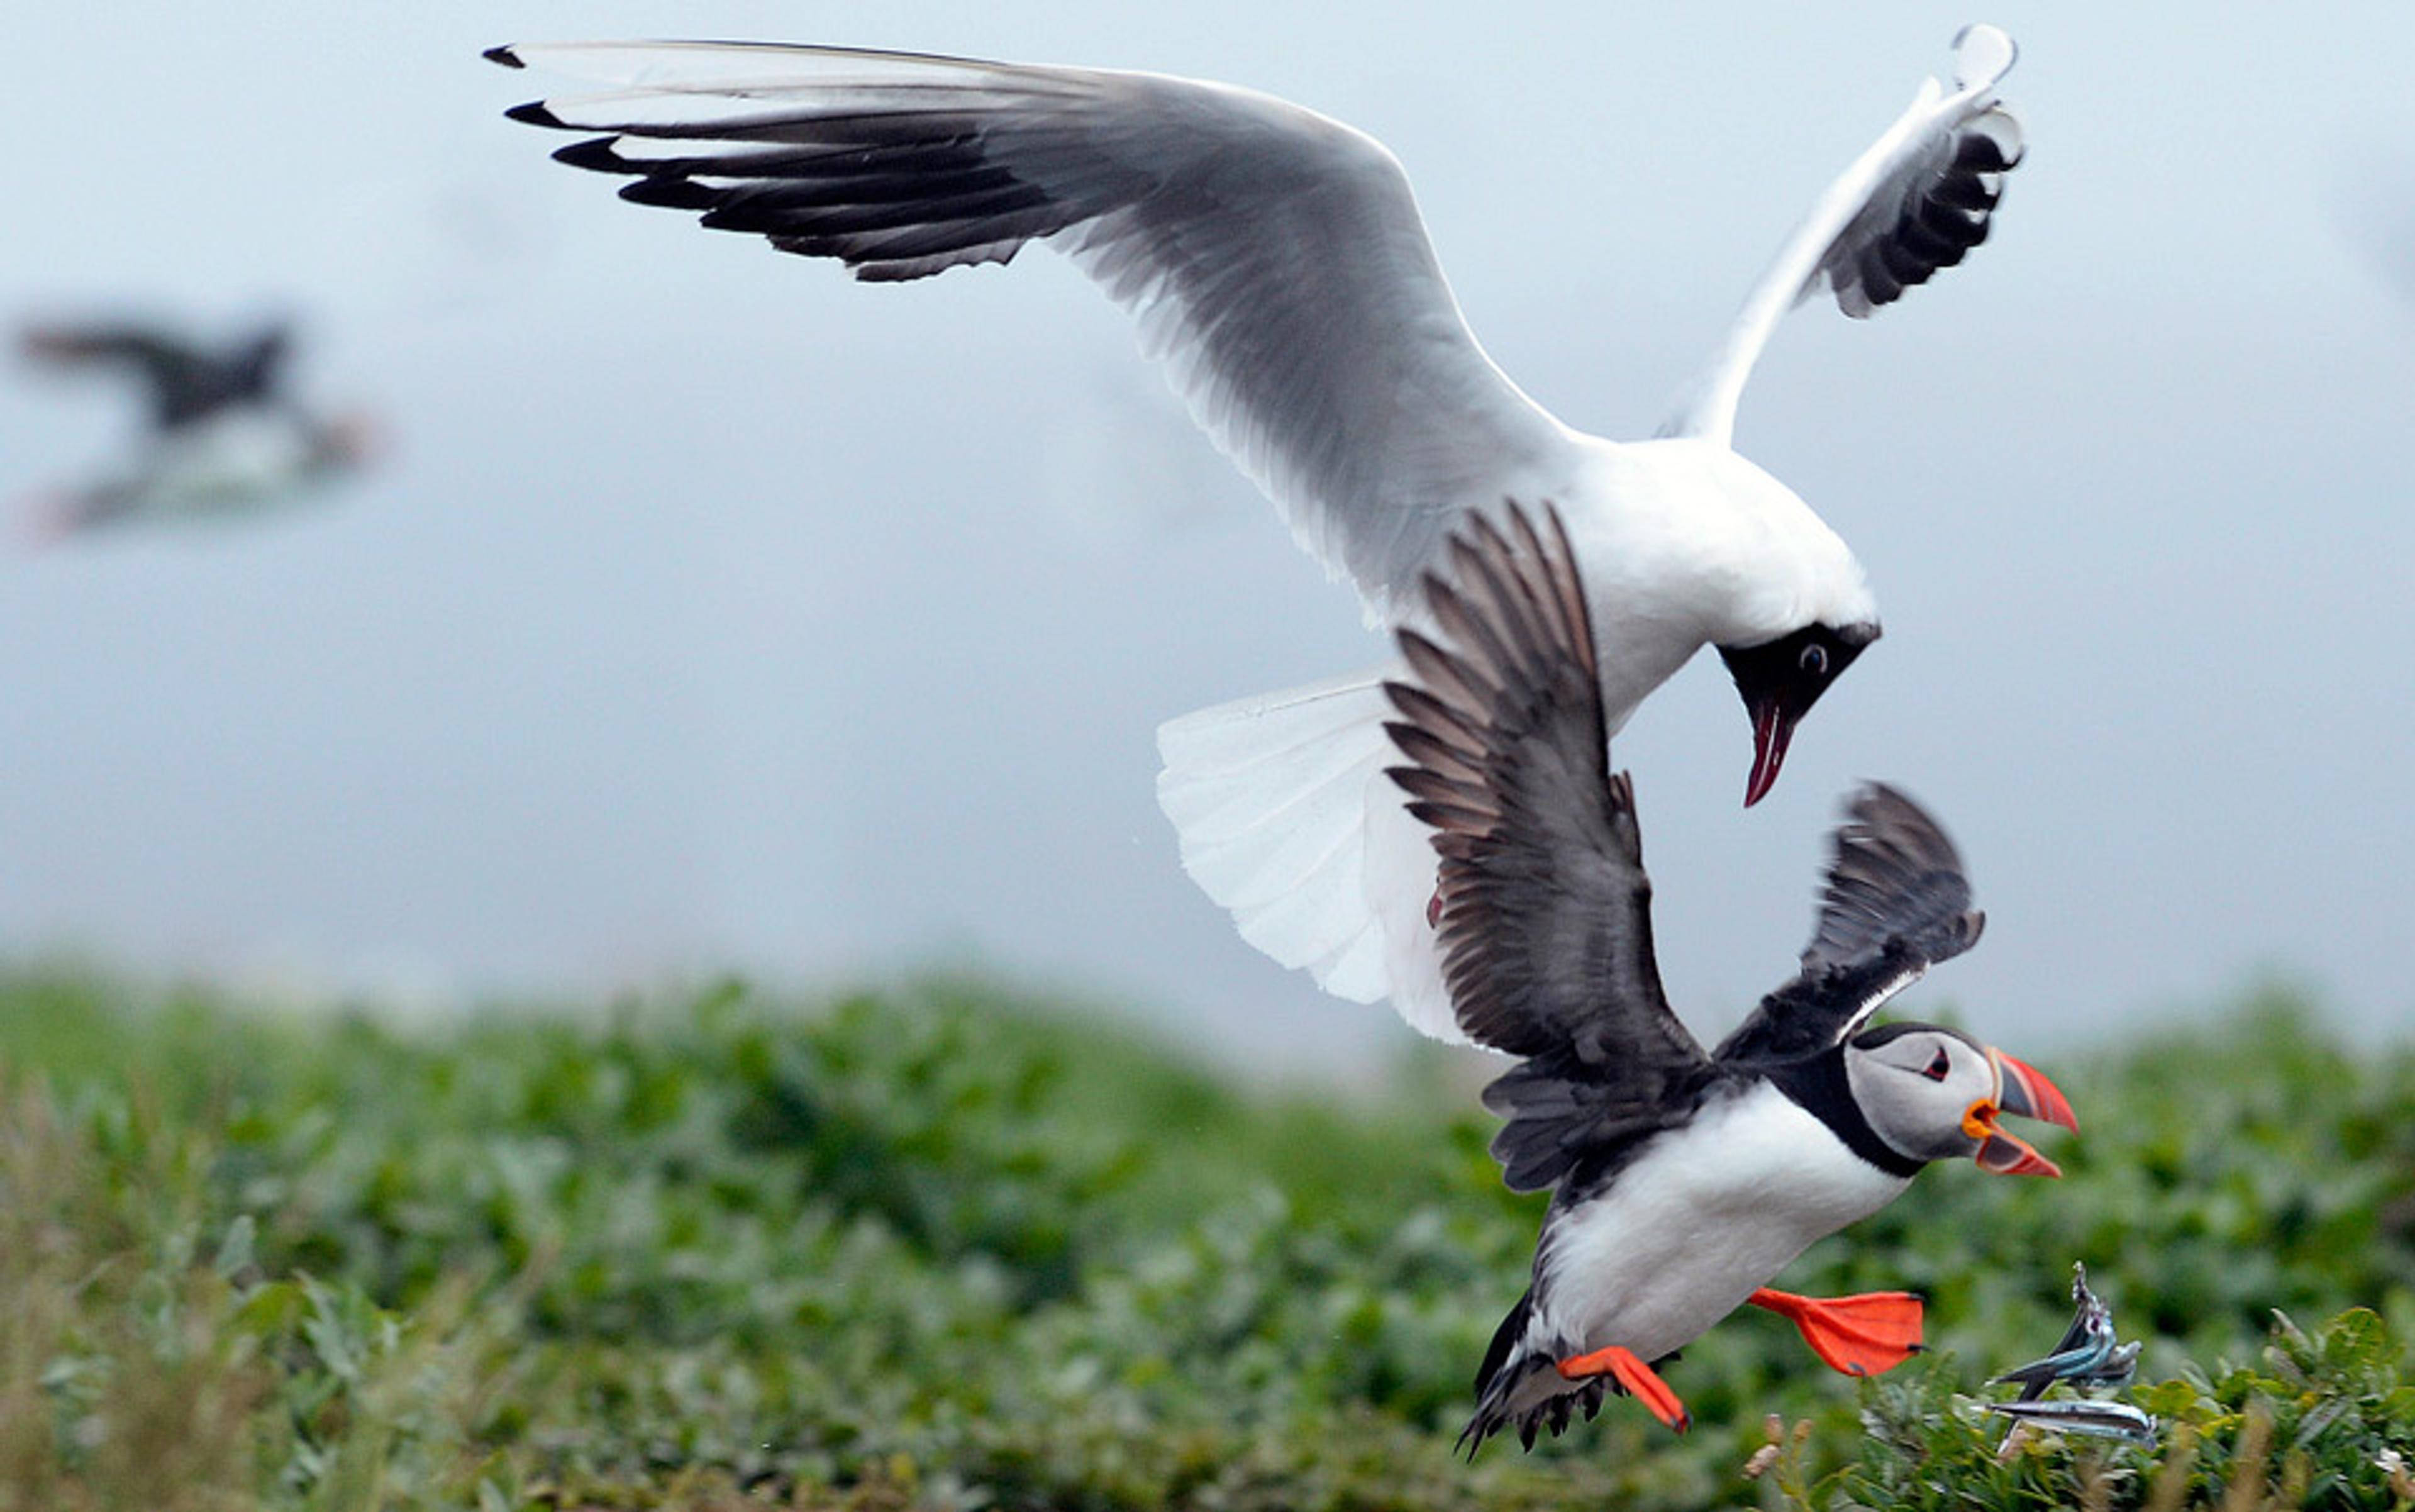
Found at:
[187, 382]
[1545, 913]
[1896, 903]
[255, 370]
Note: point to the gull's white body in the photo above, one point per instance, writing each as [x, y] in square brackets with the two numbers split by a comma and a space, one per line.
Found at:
[1284, 813]
[1276, 260]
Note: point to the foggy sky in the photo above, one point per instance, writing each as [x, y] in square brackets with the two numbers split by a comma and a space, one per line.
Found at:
[714, 612]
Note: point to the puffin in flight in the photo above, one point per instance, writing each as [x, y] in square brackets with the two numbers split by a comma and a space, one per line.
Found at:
[1682, 1180]
[1275, 259]
[225, 439]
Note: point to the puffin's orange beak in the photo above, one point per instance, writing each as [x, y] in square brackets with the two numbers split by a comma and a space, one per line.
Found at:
[2022, 1090]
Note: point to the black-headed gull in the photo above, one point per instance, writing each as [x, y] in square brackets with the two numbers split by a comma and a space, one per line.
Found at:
[224, 437]
[1275, 259]
[1682, 1180]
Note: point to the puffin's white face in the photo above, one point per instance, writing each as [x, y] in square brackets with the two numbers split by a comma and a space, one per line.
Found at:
[1931, 1094]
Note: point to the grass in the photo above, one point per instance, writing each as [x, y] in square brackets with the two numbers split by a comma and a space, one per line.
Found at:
[948, 1250]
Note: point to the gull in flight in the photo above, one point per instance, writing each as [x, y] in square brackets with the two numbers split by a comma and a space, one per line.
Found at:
[1275, 259]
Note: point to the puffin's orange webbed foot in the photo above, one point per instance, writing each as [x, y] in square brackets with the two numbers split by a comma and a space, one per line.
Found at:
[1860, 1335]
[1639, 1379]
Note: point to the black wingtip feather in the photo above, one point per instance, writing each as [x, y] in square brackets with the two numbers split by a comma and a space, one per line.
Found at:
[1981, 152]
[503, 55]
[740, 215]
[672, 194]
[595, 155]
[534, 114]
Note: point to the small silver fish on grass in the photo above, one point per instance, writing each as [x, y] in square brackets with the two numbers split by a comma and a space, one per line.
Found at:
[2084, 1416]
[2088, 1358]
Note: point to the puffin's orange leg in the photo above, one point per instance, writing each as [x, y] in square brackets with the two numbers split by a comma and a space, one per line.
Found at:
[1637, 1377]
[1858, 1335]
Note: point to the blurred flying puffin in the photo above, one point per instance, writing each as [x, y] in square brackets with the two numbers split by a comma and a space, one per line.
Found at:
[224, 437]
[1276, 260]
[1682, 1181]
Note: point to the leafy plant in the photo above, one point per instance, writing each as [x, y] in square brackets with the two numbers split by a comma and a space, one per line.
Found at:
[948, 1248]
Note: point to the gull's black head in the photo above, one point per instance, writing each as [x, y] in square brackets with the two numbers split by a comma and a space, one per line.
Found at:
[1780, 679]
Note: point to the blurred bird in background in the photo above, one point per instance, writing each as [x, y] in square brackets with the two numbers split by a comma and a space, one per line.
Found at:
[224, 440]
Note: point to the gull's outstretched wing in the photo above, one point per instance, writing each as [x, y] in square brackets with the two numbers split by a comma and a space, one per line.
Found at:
[1897, 903]
[1544, 912]
[1275, 259]
[1916, 202]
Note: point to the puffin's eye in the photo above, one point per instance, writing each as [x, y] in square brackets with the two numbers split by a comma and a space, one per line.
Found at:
[1938, 1067]
[1814, 660]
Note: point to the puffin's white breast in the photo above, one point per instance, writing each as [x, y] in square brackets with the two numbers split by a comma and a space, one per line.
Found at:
[1700, 1218]
[230, 458]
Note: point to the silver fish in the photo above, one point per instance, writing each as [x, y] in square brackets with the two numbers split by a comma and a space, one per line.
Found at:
[2076, 1414]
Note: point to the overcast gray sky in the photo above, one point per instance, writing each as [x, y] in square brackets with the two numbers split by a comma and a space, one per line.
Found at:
[715, 611]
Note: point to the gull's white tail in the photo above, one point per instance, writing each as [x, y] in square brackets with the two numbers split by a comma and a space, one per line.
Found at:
[1288, 820]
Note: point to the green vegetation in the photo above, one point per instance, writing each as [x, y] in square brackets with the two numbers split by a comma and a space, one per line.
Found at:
[947, 1249]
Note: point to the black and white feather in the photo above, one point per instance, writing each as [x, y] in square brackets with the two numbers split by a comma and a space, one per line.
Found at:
[1273, 257]
[1917, 201]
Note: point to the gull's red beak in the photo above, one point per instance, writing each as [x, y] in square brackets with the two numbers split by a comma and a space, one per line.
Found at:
[1780, 679]
[1771, 728]
[2022, 1090]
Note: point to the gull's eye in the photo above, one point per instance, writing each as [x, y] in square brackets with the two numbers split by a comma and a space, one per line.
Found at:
[1814, 660]
[1937, 1066]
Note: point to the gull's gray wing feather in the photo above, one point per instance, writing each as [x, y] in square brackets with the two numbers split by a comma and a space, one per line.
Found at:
[1274, 258]
[1917, 201]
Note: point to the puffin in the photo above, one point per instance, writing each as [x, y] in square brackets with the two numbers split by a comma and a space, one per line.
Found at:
[1682, 1180]
[224, 437]
[1276, 260]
